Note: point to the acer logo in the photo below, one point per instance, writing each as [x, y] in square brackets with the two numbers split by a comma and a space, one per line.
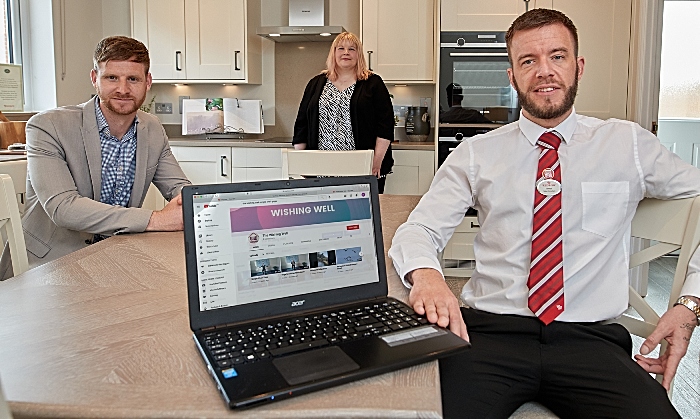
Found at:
[298, 303]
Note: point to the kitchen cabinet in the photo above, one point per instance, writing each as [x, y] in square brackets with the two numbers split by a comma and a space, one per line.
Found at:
[154, 200]
[458, 256]
[398, 39]
[229, 164]
[412, 172]
[200, 40]
[604, 40]
[160, 25]
[255, 164]
[204, 165]
[479, 15]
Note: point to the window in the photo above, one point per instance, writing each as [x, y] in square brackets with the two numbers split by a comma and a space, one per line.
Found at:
[680, 80]
[6, 53]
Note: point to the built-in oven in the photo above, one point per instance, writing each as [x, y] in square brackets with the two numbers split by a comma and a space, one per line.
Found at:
[475, 93]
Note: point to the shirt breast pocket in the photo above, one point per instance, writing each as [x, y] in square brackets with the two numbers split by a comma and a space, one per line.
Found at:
[604, 206]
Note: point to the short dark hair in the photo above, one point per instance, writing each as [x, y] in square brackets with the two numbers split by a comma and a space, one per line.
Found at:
[537, 18]
[454, 93]
[121, 48]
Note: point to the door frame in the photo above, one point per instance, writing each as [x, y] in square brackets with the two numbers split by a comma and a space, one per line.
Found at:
[645, 63]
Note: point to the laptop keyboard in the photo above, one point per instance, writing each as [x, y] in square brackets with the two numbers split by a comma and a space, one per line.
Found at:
[237, 346]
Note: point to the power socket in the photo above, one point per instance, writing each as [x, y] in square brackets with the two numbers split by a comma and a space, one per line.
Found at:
[164, 107]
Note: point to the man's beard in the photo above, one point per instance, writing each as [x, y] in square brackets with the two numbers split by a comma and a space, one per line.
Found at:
[123, 111]
[549, 110]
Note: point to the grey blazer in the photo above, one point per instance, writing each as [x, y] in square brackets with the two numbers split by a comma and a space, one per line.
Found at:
[64, 165]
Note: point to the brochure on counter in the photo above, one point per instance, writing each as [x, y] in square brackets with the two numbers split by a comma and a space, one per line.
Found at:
[222, 115]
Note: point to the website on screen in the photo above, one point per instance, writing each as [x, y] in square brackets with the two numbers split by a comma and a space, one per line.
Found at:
[256, 246]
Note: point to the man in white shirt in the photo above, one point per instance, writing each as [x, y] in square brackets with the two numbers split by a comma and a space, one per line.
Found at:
[550, 269]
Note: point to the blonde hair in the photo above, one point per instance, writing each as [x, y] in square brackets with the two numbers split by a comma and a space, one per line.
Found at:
[361, 70]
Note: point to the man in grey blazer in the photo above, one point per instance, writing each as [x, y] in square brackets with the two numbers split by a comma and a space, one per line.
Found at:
[89, 166]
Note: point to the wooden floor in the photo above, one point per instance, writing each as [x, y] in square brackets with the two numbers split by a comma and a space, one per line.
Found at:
[686, 390]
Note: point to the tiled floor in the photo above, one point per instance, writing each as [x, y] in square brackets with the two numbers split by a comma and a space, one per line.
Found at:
[686, 390]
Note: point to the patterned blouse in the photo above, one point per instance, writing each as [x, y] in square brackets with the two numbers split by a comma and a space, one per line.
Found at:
[335, 128]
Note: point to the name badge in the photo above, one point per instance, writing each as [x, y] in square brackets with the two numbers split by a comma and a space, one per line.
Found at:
[548, 187]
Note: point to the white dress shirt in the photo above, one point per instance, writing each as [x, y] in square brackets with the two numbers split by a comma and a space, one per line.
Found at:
[607, 168]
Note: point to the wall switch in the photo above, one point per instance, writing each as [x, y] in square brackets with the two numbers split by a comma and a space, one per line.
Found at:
[180, 98]
[164, 107]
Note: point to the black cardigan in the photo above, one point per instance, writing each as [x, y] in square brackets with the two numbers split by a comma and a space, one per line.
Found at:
[371, 116]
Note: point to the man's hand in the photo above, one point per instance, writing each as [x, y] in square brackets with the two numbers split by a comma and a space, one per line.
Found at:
[676, 326]
[167, 219]
[431, 297]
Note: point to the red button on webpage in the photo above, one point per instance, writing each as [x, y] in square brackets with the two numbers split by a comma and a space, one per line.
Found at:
[353, 227]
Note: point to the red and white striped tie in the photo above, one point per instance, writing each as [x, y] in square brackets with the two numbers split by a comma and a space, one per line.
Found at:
[546, 279]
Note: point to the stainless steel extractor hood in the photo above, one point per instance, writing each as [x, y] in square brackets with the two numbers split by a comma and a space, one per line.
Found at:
[307, 23]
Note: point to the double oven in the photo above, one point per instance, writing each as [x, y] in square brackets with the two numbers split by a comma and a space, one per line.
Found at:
[475, 93]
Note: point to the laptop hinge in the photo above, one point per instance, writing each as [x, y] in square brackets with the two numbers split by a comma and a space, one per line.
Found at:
[301, 313]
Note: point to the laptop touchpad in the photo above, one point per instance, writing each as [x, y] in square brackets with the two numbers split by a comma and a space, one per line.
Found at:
[314, 365]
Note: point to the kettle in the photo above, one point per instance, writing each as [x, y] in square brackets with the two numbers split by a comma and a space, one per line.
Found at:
[417, 123]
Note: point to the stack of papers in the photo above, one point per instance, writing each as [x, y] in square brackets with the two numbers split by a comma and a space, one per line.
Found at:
[222, 115]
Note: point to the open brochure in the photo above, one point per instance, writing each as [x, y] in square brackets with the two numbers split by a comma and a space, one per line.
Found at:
[222, 115]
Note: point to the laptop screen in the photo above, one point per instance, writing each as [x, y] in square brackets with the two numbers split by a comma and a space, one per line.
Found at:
[260, 245]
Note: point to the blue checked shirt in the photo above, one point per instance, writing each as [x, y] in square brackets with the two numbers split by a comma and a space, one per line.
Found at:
[118, 162]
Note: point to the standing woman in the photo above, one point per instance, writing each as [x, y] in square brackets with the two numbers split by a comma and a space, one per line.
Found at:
[347, 107]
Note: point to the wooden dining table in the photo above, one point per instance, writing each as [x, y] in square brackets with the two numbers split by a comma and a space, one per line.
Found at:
[104, 332]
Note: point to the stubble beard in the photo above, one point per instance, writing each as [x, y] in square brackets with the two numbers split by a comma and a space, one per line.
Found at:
[121, 111]
[548, 110]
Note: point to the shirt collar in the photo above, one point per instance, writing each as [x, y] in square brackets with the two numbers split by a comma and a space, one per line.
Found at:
[532, 131]
[102, 121]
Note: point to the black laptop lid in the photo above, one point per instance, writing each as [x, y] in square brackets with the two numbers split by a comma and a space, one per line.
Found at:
[262, 249]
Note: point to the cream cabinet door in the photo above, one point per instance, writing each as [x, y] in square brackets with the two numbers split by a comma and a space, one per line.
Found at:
[204, 165]
[215, 34]
[413, 172]
[257, 164]
[160, 25]
[480, 15]
[604, 39]
[398, 39]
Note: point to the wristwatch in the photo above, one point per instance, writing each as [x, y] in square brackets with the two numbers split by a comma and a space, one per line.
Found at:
[690, 305]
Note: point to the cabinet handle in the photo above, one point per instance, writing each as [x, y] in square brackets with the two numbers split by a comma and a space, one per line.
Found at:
[223, 166]
[474, 225]
[235, 60]
[178, 58]
[478, 54]
[369, 60]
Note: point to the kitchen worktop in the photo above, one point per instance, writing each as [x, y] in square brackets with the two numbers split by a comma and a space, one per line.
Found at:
[278, 142]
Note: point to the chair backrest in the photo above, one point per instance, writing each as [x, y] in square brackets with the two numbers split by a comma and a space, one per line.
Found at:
[12, 224]
[299, 163]
[4, 408]
[672, 225]
[17, 169]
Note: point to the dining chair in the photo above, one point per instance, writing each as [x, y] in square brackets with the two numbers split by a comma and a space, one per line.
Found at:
[11, 225]
[302, 163]
[4, 408]
[670, 225]
[17, 169]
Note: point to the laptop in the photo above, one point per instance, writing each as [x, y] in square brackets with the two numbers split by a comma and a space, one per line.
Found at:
[287, 289]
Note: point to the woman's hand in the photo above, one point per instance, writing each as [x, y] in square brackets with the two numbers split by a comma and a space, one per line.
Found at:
[380, 148]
